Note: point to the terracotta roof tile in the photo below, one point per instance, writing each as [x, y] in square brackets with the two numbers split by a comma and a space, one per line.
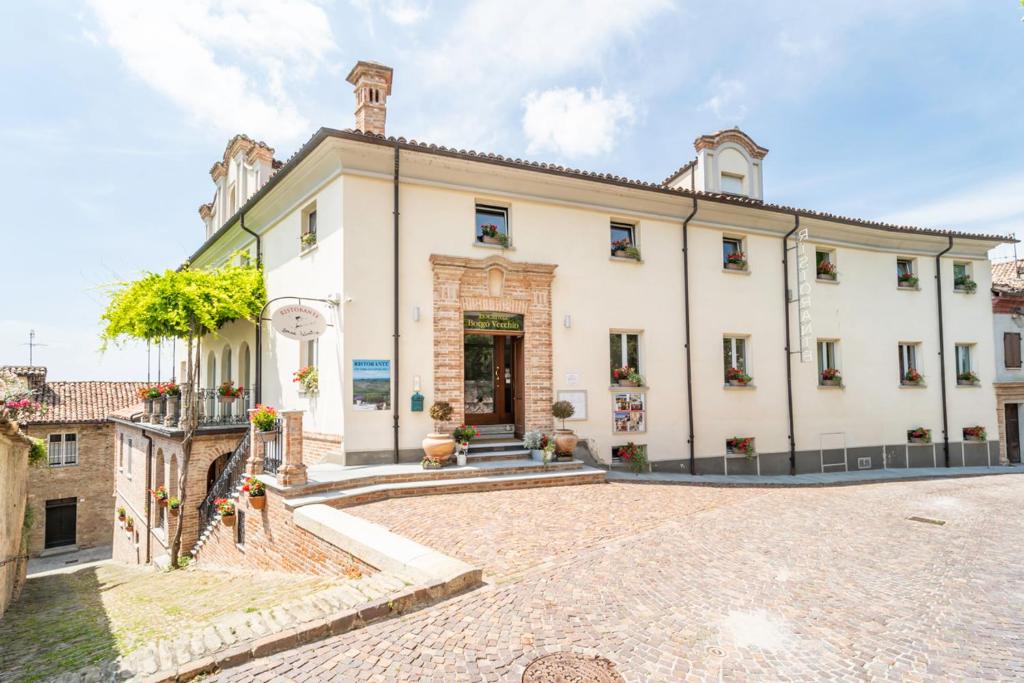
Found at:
[78, 402]
[1006, 275]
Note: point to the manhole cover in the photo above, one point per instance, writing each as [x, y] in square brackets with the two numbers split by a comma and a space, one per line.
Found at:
[716, 651]
[569, 667]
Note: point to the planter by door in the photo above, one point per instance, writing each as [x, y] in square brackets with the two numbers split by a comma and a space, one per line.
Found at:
[537, 455]
[565, 442]
[438, 447]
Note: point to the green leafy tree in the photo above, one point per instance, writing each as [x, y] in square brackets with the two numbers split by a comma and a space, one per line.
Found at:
[185, 304]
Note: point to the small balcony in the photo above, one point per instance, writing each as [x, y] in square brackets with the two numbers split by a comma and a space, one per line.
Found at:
[215, 411]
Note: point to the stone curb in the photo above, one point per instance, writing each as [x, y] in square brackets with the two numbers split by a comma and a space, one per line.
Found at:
[628, 478]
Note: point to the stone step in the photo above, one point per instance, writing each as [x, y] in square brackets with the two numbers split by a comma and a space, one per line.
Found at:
[483, 445]
[487, 456]
[550, 475]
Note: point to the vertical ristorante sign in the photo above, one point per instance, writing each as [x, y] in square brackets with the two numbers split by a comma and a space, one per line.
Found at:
[803, 296]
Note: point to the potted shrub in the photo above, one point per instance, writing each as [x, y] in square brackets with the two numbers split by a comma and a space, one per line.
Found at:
[174, 505]
[129, 524]
[740, 445]
[257, 492]
[308, 378]
[912, 377]
[737, 378]
[535, 442]
[265, 420]
[149, 396]
[827, 270]
[627, 377]
[634, 456]
[967, 378]
[121, 513]
[831, 377]
[565, 439]
[438, 446]
[227, 392]
[308, 239]
[964, 283]
[906, 280]
[975, 433]
[226, 510]
[463, 435]
[919, 435]
[172, 392]
[623, 249]
[160, 494]
[489, 234]
[737, 260]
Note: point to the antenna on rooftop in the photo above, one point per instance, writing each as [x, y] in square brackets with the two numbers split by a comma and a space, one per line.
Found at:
[32, 344]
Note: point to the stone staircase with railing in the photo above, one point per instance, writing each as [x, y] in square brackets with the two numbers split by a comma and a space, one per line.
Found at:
[228, 485]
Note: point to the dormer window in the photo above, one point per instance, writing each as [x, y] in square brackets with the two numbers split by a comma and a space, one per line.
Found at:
[732, 184]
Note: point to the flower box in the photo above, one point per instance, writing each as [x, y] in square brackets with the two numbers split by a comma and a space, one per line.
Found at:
[741, 445]
[967, 379]
[735, 377]
[919, 435]
[975, 434]
[627, 377]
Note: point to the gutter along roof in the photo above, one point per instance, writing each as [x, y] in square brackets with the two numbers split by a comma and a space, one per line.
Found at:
[563, 171]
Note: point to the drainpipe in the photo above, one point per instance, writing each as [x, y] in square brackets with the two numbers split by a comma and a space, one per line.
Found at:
[686, 318]
[789, 354]
[149, 498]
[259, 322]
[942, 350]
[394, 400]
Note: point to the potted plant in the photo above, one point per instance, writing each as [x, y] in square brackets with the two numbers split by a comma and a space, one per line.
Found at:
[827, 270]
[737, 378]
[624, 249]
[308, 239]
[121, 513]
[737, 260]
[226, 510]
[227, 392]
[975, 433]
[627, 377]
[463, 435]
[438, 446]
[308, 378]
[965, 283]
[160, 494]
[489, 234]
[740, 445]
[565, 439]
[149, 396]
[906, 280]
[265, 420]
[912, 376]
[548, 454]
[967, 378]
[831, 377]
[634, 456]
[174, 505]
[535, 442]
[172, 392]
[919, 435]
[257, 492]
[129, 524]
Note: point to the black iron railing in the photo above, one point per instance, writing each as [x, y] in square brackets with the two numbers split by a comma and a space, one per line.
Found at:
[273, 451]
[226, 483]
[214, 410]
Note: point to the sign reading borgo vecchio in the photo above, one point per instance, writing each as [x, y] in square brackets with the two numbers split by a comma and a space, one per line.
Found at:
[298, 322]
[493, 322]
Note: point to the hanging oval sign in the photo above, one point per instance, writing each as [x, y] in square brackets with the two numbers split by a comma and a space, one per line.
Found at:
[298, 322]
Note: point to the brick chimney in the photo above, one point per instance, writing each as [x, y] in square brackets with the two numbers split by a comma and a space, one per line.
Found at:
[372, 83]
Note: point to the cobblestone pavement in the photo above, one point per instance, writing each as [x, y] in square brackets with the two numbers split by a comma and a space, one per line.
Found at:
[806, 584]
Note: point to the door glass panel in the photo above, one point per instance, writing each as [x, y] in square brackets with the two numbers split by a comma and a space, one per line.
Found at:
[509, 364]
[479, 382]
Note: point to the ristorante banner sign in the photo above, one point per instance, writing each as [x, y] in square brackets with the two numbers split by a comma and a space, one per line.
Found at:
[493, 322]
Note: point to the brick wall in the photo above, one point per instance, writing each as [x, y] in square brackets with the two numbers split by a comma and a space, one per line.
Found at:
[91, 481]
[316, 446]
[13, 486]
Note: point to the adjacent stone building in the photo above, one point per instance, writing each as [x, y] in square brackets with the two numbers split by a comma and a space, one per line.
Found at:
[1008, 321]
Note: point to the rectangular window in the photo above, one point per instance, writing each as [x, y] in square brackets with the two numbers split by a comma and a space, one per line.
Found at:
[623, 240]
[963, 359]
[62, 450]
[825, 264]
[959, 270]
[1011, 349]
[120, 452]
[732, 253]
[732, 183]
[491, 224]
[734, 352]
[308, 237]
[625, 351]
[828, 361]
[240, 527]
[908, 364]
[962, 278]
[309, 352]
[129, 458]
[905, 275]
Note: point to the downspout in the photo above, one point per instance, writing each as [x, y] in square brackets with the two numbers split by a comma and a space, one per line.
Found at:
[789, 354]
[686, 320]
[149, 498]
[257, 391]
[942, 351]
[394, 400]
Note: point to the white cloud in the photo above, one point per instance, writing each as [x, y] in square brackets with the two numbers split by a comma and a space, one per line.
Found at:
[406, 12]
[575, 123]
[726, 102]
[982, 208]
[229, 64]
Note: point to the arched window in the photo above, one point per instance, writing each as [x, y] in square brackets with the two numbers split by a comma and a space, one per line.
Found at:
[245, 368]
[158, 481]
[225, 365]
[211, 371]
[172, 479]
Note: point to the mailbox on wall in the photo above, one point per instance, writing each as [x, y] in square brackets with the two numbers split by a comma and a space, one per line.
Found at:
[417, 402]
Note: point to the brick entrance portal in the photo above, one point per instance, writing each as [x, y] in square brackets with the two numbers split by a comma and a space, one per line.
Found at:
[493, 284]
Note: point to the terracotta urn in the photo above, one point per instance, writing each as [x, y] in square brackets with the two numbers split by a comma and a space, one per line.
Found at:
[565, 442]
[257, 502]
[438, 447]
[228, 520]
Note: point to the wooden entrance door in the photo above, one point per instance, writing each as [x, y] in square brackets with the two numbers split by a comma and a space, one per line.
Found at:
[1012, 432]
[519, 386]
[61, 521]
[490, 378]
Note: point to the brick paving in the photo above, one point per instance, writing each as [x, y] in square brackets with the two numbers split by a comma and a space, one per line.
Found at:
[677, 583]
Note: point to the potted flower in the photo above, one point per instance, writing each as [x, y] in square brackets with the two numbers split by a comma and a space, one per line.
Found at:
[634, 456]
[129, 523]
[535, 442]
[121, 513]
[174, 505]
[308, 378]
[172, 392]
[149, 395]
[489, 234]
[975, 433]
[463, 435]
[906, 280]
[265, 420]
[831, 377]
[912, 376]
[737, 378]
[548, 454]
[257, 492]
[226, 510]
[627, 377]
[228, 392]
[438, 446]
[740, 445]
[967, 378]
[827, 270]
[919, 435]
[308, 239]
[565, 439]
[965, 283]
[624, 249]
[160, 494]
[736, 260]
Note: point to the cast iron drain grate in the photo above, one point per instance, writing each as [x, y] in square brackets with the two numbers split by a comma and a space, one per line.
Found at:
[927, 520]
[569, 667]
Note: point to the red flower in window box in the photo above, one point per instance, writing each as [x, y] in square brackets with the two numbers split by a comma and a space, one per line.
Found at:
[737, 377]
[912, 376]
[741, 445]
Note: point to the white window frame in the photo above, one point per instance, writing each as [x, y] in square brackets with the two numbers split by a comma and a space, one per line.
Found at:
[128, 470]
[624, 225]
[624, 343]
[909, 351]
[120, 452]
[64, 457]
[823, 353]
[734, 177]
[969, 347]
[309, 353]
[733, 338]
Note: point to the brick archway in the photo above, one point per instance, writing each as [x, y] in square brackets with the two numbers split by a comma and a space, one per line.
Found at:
[493, 284]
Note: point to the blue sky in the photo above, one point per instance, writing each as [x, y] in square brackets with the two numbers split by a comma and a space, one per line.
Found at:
[115, 110]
